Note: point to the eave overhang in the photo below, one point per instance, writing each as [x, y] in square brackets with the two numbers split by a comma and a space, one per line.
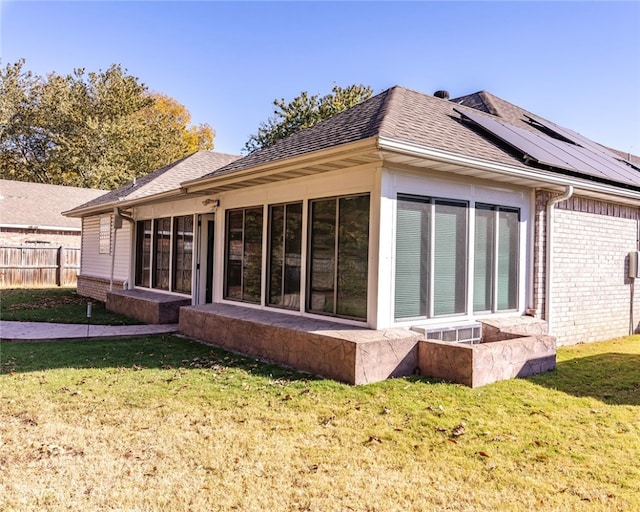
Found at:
[412, 155]
[382, 151]
[125, 203]
[324, 160]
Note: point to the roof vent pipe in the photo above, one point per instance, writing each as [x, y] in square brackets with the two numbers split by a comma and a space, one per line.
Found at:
[442, 94]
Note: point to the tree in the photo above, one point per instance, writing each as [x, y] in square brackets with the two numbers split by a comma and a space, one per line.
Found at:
[98, 129]
[168, 125]
[303, 112]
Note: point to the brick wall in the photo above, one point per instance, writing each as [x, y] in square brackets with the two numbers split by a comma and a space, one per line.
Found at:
[39, 237]
[591, 291]
[96, 287]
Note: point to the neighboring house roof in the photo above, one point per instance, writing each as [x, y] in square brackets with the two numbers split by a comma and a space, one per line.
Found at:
[161, 181]
[408, 116]
[36, 205]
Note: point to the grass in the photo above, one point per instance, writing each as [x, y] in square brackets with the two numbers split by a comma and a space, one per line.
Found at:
[165, 423]
[60, 305]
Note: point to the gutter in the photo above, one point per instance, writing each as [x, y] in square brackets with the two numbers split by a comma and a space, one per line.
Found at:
[549, 252]
[122, 203]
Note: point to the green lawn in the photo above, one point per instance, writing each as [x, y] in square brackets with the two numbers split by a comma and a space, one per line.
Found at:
[61, 305]
[165, 423]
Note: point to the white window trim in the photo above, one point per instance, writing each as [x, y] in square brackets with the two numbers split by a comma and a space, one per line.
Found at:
[104, 235]
[401, 183]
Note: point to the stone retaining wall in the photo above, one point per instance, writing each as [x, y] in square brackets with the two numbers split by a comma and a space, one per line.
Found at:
[147, 306]
[498, 329]
[484, 363]
[345, 353]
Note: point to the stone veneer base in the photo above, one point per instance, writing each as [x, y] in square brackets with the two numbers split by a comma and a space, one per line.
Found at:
[147, 306]
[358, 355]
[345, 353]
[483, 363]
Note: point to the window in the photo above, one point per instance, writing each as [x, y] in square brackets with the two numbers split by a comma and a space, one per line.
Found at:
[164, 258]
[496, 254]
[182, 253]
[431, 256]
[243, 261]
[285, 245]
[105, 235]
[161, 255]
[450, 258]
[338, 256]
[143, 253]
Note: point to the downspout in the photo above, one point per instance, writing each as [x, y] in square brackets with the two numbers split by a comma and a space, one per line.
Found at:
[632, 327]
[117, 215]
[549, 251]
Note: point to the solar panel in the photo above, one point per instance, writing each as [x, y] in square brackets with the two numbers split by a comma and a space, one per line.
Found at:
[576, 138]
[556, 153]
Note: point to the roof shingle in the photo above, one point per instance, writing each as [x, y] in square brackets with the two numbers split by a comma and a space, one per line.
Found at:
[406, 116]
[38, 204]
[167, 178]
[397, 113]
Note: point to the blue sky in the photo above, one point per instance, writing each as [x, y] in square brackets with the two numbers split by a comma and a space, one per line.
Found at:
[575, 63]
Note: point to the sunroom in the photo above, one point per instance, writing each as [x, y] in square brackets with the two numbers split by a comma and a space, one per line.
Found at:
[362, 252]
[365, 245]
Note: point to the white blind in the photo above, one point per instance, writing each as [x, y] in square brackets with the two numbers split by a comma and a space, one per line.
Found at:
[449, 277]
[412, 258]
[507, 260]
[483, 259]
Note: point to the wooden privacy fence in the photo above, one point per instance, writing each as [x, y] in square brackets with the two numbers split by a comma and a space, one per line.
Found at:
[26, 266]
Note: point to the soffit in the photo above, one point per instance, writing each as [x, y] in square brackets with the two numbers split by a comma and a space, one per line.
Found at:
[381, 152]
[517, 177]
[362, 153]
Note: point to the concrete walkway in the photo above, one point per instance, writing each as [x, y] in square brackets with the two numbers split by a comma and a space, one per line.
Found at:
[42, 331]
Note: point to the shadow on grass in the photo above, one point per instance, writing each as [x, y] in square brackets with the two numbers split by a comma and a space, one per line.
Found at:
[58, 305]
[613, 378]
[157, 351]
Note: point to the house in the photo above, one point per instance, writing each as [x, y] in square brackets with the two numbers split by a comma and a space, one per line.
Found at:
[31, 213]
[38, 245]
[117, 232]
[409, 216]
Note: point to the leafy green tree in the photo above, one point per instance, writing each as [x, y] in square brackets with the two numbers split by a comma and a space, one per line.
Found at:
[303, 112]
[98, 129]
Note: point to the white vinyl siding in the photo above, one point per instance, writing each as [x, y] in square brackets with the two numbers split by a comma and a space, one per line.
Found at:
[99, 265]
[105, 234]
